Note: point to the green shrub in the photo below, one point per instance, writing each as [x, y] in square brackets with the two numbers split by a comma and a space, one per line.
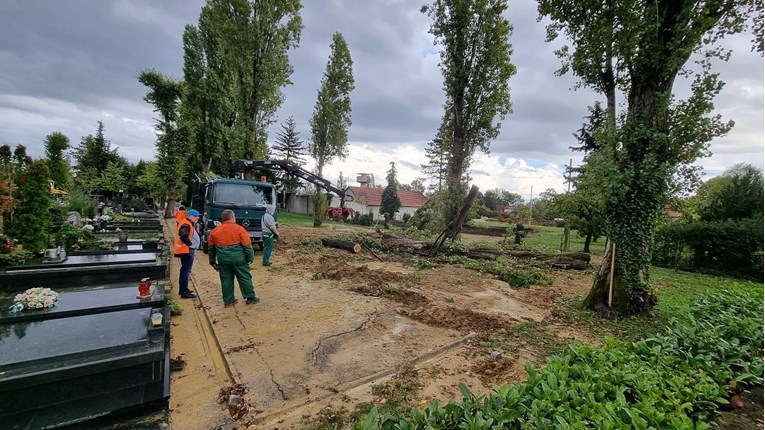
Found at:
[365, 220]
[15, 257]
[71, 234]
[675, 380]
[723, 248]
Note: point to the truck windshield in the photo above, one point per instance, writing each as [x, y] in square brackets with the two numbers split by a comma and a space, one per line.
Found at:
[243, 195]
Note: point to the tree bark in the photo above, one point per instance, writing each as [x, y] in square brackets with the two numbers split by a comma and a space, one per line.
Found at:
[587, 241]
[402, 242]
[454, 227]
[341, 244]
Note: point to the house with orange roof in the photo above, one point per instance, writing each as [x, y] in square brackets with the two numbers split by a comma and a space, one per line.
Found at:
[365, 200]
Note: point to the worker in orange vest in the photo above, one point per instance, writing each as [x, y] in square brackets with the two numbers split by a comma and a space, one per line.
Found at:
[180, 214]
[185, 244]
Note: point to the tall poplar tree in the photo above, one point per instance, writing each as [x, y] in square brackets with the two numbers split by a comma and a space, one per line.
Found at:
[236, 62]
[332, 114]
[165, 94]
[646, 45]
[475, 63]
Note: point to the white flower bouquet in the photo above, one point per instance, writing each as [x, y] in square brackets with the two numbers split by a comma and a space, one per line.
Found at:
[104, 218]
[35, 298]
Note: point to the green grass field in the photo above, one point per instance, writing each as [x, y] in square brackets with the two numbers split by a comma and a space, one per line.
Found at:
[295, 219]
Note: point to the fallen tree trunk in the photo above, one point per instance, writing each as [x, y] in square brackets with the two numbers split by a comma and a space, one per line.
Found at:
[402, 242]
[342, 244]
[568, 263]
[480, 253]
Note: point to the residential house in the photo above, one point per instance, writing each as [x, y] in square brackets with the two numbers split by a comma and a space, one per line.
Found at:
[365, 200]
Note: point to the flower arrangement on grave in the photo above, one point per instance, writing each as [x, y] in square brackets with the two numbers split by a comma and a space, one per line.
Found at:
[35, 298]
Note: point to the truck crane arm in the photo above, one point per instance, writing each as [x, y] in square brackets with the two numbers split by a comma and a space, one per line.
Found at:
[241, 166]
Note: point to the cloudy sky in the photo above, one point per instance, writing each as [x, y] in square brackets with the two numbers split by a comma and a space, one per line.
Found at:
[64, 65]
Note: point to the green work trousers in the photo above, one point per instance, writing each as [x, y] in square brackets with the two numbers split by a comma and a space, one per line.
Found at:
[243, 276]
[268, 247]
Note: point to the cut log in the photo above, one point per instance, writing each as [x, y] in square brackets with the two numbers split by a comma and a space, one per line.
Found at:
[568, 263]
[402, 242]
[341, 244]
[481, 253]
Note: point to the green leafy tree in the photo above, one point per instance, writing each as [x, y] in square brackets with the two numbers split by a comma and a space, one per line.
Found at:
[112, 179]
[235, 64]
[639, 47]
[152, 181]
[56, 144]
[390, 203]
[31, 221]
[475, 63]
[8, 186]
[736, 195]
[417, 184]
[332, 113]
[508, 198]
[165, 94]
[289, 147]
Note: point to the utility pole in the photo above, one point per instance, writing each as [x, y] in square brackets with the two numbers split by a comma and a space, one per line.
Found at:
[531, 204]
[570, 166]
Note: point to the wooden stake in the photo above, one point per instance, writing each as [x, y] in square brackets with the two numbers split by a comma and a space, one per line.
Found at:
[611, 276]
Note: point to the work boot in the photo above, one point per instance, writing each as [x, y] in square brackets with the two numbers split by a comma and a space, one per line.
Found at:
[252, 301]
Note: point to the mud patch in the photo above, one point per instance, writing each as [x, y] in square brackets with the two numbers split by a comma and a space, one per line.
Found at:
[330, 267]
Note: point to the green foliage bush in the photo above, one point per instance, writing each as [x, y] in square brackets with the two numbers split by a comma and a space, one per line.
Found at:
[15, 257]
[81, 203]
[675, 380]
[365, 220]
[70, 234]
[725, 248]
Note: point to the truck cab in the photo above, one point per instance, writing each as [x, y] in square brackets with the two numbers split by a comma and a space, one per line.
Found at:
[248, 199]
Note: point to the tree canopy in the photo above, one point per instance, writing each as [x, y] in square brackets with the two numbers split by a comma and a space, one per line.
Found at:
[475, 63]
[639, 48]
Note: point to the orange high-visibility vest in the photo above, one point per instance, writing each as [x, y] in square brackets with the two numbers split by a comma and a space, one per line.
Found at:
[178, 246]
[180, 215]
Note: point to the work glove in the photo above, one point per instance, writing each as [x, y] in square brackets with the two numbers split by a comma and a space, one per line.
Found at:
[215, 266]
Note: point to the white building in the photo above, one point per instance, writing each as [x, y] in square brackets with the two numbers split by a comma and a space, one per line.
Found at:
[366, 200]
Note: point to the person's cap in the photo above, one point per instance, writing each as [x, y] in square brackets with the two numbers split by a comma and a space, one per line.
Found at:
[192, 212]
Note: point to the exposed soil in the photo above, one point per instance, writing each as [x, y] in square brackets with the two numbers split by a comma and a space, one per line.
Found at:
[331, 325]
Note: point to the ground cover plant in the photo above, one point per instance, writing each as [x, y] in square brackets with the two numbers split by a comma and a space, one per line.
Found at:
[676, 379]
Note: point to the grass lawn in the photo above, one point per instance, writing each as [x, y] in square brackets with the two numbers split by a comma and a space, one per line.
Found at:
[295, 219]
[675, 290]
[547, 238]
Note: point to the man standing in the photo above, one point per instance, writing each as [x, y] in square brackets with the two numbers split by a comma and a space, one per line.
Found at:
[232, 247]
[186, 242]
[270, 233]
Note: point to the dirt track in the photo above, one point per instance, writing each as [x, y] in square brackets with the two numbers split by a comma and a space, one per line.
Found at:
[332, 324]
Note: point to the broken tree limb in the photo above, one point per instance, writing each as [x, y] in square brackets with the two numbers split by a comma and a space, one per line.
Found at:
[454, 227]
[341, 244]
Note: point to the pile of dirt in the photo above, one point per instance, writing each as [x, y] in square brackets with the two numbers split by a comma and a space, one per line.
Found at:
[331, 267]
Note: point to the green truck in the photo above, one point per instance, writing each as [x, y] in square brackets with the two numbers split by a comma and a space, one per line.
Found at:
[248, 199]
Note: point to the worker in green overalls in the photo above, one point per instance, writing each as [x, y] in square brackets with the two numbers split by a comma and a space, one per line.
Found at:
[270, 233]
